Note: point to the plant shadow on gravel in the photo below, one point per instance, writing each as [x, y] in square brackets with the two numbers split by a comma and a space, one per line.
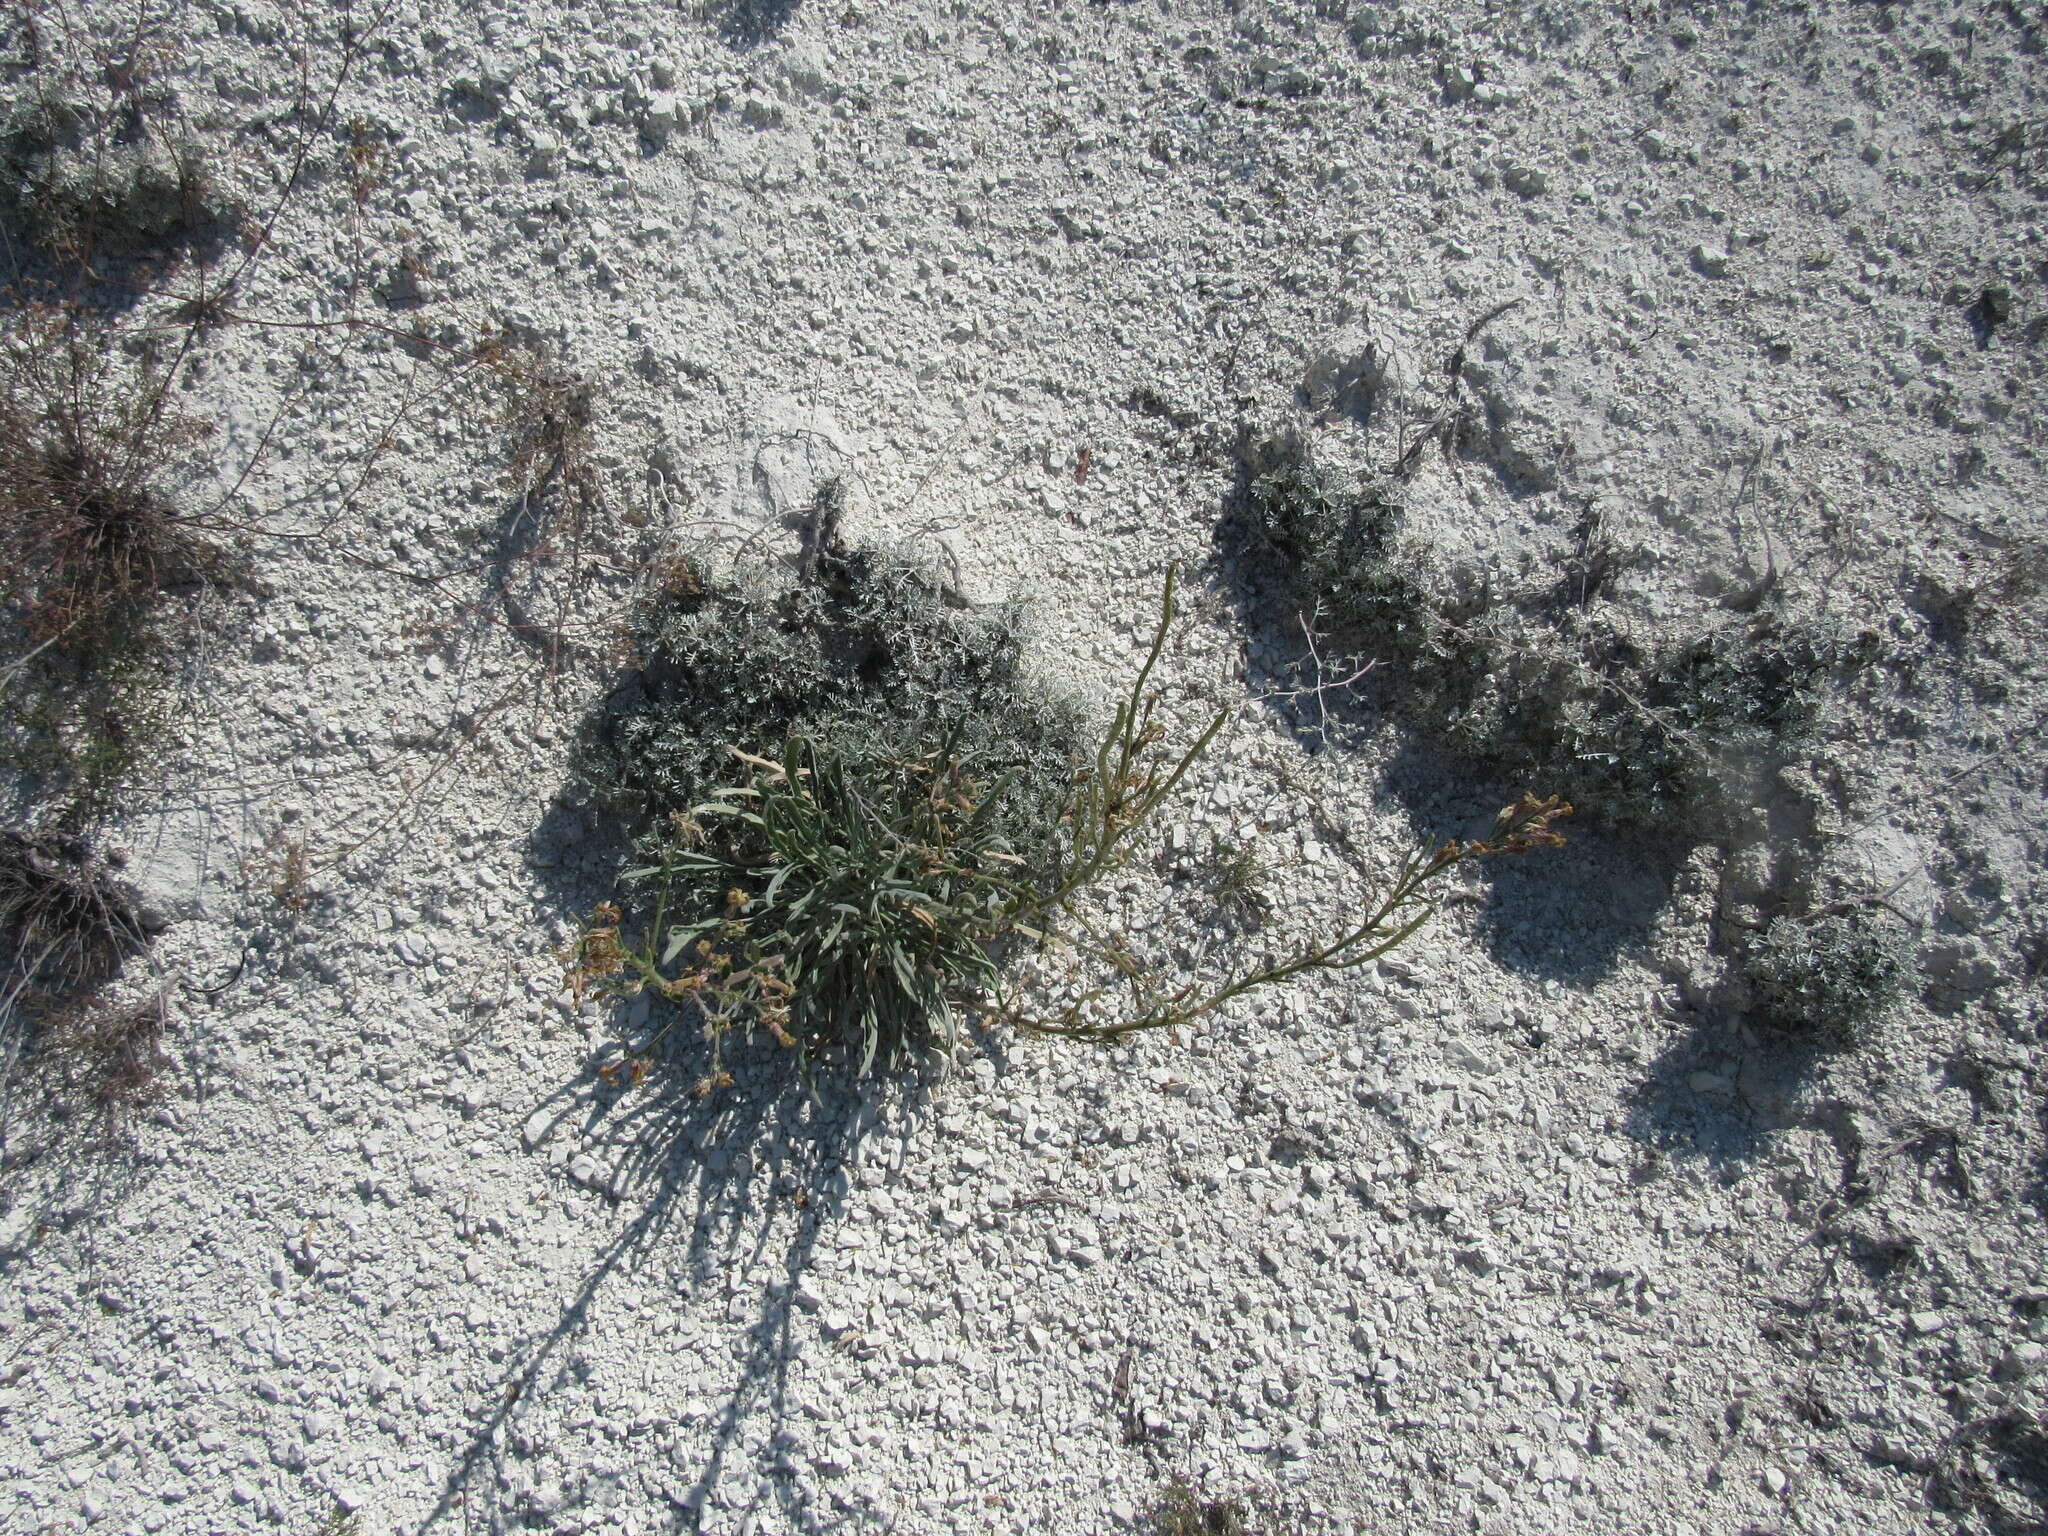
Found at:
[98, 199]
[1564, 920]
[750, 23]
[721, 1185]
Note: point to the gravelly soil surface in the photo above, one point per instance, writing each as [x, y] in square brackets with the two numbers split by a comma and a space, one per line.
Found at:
[1527, 1229]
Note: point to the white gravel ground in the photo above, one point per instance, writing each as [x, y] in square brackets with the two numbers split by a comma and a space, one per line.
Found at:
[1522, 1233]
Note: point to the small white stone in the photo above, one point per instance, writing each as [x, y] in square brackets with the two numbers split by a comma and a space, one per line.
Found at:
[664, 115]
[829, 1461]
[1470, 1058]
[1774, 1481]
[1924, 1323]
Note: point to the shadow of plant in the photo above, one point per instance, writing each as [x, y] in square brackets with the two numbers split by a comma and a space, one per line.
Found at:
[729, 1184]
[749, 23]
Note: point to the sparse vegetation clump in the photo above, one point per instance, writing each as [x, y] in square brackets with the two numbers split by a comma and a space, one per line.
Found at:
[1824, 978]
[96, 465]
[1235, 876]
[839, 779]
[283, 869]
[66, 918]
[67, 922]
[1536, 673]
[858, 652]
[1181, 1511]
[855, 804]
[90, 532]
[1696, 729]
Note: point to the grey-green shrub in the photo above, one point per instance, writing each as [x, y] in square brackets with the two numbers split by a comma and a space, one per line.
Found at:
[1825, 978]
[858, 652]
[1533, 674]
[838, 781]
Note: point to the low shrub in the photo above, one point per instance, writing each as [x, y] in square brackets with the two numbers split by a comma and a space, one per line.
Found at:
[1824, 978]
[836, 777]
[67, 922]
[1180, 1511]
[96, 461]
[66, 916]
[90, 439]
[1533, 673]
[857, 652]
[1234, 876]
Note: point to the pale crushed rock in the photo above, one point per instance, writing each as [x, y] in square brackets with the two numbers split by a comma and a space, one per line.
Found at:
[1514, 1233]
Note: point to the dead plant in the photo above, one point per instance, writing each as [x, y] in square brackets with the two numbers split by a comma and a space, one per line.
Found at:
[104, 1060]
[91, 446]
[284, 869]
[65, 914]
[96, 462]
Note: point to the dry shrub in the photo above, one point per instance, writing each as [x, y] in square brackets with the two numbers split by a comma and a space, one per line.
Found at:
[547, 411]
[104, 1060]
[91, 445]
[64, 913]
[1181, 1512]
[67, 922]
[97, 472]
